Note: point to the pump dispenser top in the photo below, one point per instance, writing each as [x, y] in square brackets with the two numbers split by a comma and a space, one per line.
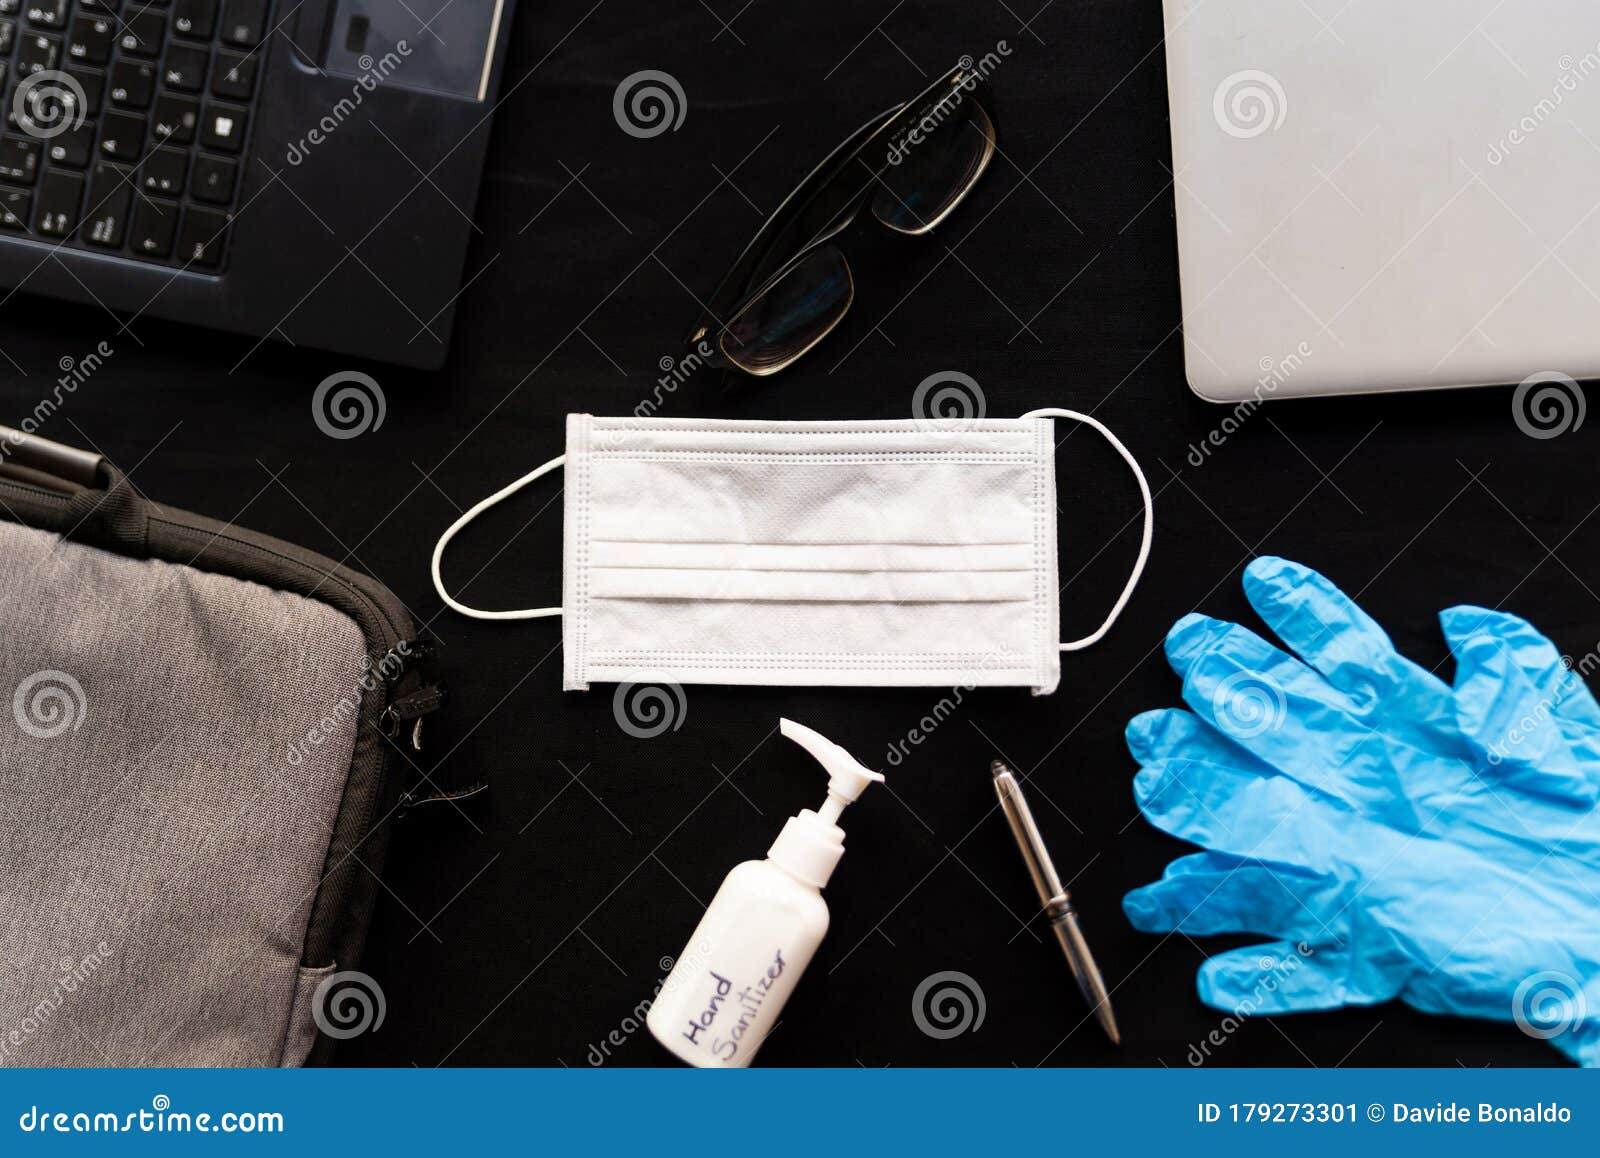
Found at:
[811, 843]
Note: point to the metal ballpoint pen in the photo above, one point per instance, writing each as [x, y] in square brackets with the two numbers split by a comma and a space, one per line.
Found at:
[1056, 900]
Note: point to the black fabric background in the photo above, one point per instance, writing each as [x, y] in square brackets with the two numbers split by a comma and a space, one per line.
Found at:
[529, 941]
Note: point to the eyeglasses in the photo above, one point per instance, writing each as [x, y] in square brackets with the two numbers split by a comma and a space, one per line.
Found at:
[911, 165]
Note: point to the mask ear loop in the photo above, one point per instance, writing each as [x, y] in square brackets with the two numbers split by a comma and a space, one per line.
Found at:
[1149, 521]
[444, 541]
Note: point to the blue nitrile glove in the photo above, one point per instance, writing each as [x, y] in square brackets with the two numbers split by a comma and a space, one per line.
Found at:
[1433, 844]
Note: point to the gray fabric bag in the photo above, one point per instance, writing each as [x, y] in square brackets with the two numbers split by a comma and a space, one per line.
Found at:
[204, 737]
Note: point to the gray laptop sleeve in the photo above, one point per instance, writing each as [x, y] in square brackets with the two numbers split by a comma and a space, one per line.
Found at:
[205, 735]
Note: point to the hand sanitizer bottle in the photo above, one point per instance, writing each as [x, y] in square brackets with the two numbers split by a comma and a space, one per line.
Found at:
[729, 984]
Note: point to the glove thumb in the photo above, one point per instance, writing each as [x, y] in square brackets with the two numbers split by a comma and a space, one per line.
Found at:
[1513, 727]
[1295, 977]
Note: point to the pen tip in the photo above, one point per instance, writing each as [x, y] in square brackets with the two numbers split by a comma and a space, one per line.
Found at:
[1109, 1023]
[998, 767]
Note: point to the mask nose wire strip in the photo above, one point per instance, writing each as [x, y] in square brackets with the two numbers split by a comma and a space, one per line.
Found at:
[1149, 521]
[478, 509]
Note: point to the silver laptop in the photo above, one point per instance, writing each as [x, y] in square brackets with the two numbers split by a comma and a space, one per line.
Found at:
[1385, 194]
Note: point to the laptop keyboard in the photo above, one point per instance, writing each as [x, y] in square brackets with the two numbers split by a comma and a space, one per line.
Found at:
[125, 123]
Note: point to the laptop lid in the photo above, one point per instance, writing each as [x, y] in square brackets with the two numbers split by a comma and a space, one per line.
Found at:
[1375, 195]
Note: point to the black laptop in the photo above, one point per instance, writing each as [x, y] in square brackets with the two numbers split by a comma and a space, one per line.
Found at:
[290, 170]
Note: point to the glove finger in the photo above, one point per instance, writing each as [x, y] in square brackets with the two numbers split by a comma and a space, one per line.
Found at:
[1297, 723]
[1167, 732]
[1259, 676]
[1196, 636]
[1539, 661]
[1285, 977]
[1327, 630]
[1513, 727]
[1188, 767]
[1210, 893]
[1239, 811]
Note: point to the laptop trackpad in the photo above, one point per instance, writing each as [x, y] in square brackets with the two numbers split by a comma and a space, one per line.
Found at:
[441, 46]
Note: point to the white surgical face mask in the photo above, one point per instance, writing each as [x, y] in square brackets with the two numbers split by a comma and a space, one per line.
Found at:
[834, 553]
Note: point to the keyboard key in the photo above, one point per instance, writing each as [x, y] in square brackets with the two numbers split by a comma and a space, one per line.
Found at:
[93, 84]
[244, 22]
[122, 136]
[59, 196]
[38, 53]
[143, 33]
[233, 76]
[110, 190]
[184, 68]
[223, 127]
[175, 118]
[44, 108]
[213, 179]
[14, 207]
[155, 222]
[47, 13]
[19, 159]
[132, 82]
[164, 171]
[90, 40]
[10, 7]
[71, 147]
[8, 36]
[194, 18]
[202, 237]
